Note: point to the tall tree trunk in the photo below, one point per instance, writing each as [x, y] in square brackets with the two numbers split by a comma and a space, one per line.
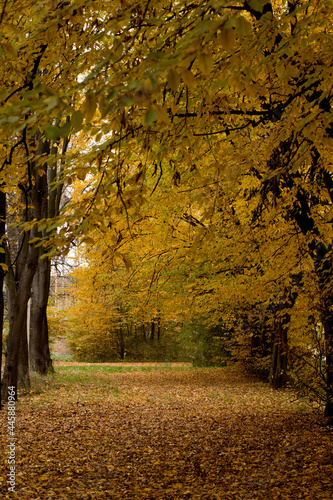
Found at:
[16, 301]
[328, 327]
[121, 342]
[23, 363]
[19, 281]
[158, 330]
[323, 258]
[2, 262]
[39, 351]
[16, 362]
[278, 374]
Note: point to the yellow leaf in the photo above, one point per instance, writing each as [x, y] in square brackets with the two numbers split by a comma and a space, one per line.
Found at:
[88, 240]
[174, 108]
[9, 51]
[205, 63]
[148, 86]
[227, 38]
[50, 33]
[89, 107]
[81, 175]
[187, 77]
[10, 30]
[128, 263]
[162, 114]
[173, 79]
[77, 121]
[243, 25]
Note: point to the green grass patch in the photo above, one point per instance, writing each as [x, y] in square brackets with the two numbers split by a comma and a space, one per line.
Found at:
[62, 357]
[87, 381]
[115, 368]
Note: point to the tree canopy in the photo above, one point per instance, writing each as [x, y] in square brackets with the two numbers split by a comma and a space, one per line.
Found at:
[193, 143]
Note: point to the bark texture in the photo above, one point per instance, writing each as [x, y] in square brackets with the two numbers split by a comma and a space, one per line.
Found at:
[39, 350]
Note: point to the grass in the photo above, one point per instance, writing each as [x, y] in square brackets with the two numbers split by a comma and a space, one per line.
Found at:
[76, 382]
[98, 373]
[88, 381]
[118, 368]
[62, 357]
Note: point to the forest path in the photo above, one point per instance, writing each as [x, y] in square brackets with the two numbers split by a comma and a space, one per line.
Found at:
[170, 433]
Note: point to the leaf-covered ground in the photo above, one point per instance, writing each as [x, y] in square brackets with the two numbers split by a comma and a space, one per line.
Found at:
[168, 433]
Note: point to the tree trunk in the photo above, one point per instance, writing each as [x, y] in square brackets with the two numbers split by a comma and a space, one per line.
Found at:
[121, 344]
[323, 261]
[2, 261]
[158, 330]
[16, 362]
[328, 327]
[278, 374]
[23, 364]
[19, 281]
[39, 351]
[322, 258]
[16, 301]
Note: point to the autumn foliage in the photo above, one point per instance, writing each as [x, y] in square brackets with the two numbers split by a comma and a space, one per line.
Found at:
[181, 153]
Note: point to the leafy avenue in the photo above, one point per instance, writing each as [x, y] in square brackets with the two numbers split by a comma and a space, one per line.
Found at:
[181, 153]
[167, 432]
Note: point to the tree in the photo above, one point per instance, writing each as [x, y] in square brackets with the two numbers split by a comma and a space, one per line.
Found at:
[221, 99]
[51, 188]
[19, 278]
[2, 272]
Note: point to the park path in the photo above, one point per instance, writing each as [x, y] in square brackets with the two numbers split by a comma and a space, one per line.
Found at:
[168, 435]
